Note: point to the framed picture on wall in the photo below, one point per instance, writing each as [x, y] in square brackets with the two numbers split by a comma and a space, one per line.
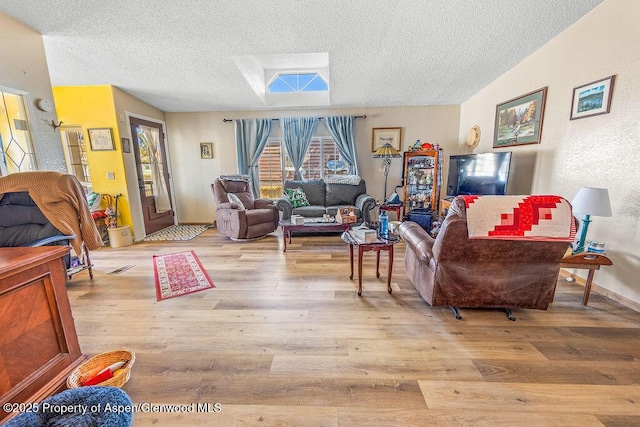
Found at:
[206, 150]
[519, 120]
[380, 136]
[126, 145]
[101, 139]
[592, 98]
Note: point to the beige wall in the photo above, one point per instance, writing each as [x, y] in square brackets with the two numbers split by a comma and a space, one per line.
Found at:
[192, 176]
[23, 67]
[599, 151]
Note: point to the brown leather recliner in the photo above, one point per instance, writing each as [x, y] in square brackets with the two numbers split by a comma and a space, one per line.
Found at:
[453, 270]
[254, 219]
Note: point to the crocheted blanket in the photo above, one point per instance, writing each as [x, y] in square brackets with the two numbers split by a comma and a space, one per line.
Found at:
[244, 178]
[62, 200]
[542, 218]
[343, 179]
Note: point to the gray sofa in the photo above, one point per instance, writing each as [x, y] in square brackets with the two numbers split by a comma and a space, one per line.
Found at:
[327, 198]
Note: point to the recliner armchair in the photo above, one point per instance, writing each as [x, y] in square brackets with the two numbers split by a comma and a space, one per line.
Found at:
[456, 271]
[246, 218]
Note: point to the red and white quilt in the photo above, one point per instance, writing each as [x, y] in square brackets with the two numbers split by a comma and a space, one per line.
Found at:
[543, 218]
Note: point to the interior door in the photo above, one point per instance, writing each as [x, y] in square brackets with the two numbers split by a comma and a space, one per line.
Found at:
[153, 174]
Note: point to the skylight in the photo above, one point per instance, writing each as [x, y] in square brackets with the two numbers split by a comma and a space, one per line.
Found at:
[298, 82]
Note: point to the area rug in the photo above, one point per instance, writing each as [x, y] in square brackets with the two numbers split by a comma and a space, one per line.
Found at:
[179, 274]
[177, 232]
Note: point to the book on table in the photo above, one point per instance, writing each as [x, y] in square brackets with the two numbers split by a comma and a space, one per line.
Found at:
[364, 235]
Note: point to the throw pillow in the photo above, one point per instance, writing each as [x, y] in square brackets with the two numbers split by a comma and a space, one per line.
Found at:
[297, 196]
[235, 201]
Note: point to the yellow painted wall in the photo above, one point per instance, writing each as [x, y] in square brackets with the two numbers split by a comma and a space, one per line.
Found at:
[93, 107]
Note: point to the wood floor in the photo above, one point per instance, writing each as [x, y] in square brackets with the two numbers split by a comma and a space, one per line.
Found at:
[283, 340]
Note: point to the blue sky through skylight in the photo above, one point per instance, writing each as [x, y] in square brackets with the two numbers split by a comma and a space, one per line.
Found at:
[298, 82]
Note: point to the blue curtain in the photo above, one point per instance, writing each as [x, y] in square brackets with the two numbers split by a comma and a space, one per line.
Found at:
[251, 138]
[296, 134]
[341, 128]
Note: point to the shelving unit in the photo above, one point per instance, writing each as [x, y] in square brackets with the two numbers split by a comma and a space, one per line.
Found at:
[421, 180]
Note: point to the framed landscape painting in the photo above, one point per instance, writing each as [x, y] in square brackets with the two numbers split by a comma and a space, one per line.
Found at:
[592, 99]
[519, 120]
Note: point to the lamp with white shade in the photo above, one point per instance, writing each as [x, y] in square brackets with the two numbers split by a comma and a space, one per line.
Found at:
[590, 201]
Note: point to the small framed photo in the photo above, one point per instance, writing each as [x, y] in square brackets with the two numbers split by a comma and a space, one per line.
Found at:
[126, 145]
[206, 150]
[381, 136]
[519, 120]
[101, 139]
[592, 98]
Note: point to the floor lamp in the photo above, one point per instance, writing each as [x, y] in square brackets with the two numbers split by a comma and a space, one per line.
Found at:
[590, 201]
[386, 153]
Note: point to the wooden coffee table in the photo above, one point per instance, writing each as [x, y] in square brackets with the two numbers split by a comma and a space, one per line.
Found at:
[288, 227]
[381, 245]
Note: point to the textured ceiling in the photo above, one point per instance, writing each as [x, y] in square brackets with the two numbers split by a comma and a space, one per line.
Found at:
[177, 55]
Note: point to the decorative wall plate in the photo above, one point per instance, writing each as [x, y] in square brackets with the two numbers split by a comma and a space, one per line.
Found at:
[473, 136]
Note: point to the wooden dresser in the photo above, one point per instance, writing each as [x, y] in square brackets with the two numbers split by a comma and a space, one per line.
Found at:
[38, 342]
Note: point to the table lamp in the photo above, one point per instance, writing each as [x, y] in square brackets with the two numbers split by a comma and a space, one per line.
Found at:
[386, 153]
[590, 201]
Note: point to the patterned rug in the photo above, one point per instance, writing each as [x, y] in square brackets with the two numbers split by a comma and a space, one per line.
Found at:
[179, 274]
[177, 232]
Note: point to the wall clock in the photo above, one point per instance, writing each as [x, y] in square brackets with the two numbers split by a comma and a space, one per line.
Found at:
[473, 136]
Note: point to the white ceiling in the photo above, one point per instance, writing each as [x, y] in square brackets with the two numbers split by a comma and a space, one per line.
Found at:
[178, 55]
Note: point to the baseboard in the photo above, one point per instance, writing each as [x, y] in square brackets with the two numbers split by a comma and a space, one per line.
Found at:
[602, 291]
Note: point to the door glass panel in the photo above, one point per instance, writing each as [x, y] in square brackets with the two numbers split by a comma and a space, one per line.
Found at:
[145, 161]
[16, 142]
[153, 167]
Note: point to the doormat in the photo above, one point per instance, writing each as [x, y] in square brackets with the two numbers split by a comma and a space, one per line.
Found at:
[177, 232]
[179, 274]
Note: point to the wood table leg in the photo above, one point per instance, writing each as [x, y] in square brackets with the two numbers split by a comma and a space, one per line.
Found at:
[284, 238]
[390, 268]
[587, 287]
[360, 254]
[378, 264]
[351, 260]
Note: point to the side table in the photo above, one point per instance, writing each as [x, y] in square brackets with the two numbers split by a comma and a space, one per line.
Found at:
[380, 245]
[393, 208]
[586, 260]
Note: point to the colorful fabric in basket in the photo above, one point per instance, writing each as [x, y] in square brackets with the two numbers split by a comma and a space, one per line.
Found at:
[544, 218]
[297, 196]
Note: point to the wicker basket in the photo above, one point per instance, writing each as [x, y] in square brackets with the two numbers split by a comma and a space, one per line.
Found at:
[103, 360]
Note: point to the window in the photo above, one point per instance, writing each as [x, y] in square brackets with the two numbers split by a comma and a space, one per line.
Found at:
[75, 152]
[270, 170]
[274, 167]
[15, 135]
[298, 82]
[322, 159]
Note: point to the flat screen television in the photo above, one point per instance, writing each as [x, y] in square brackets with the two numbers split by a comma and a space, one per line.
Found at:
[480, 174]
